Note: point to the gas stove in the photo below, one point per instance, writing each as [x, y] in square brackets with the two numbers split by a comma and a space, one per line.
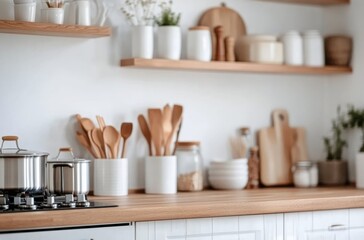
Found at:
[26, 202]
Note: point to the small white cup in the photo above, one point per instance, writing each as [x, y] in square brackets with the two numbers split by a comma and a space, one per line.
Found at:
[111, 177]
[52, 15]
[25, 12]
[161, 175]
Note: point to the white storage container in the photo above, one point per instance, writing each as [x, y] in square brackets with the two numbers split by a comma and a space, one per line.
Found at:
[313, 48]
[293, 48]
[199, 44]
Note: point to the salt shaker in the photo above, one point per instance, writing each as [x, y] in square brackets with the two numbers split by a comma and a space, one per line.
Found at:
[313, 49]
[293, 48]
[199, 46]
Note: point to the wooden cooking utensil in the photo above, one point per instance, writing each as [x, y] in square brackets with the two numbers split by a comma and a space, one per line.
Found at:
[84, 141]
[125, 131]
[101, 122]
[229, 19]
[176, 121]
[112, 141]
[88, 126]
[156, 129]
[145, 131]
[167, 123]
[98, 139]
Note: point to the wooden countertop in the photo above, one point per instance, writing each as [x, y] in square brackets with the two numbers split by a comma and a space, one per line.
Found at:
[143, 207]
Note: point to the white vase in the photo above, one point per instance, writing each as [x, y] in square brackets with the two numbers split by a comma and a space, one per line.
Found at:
[169, 42]
[359, 170]
[142, 42]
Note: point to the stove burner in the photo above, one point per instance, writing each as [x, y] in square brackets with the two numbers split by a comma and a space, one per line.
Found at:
[26, 202]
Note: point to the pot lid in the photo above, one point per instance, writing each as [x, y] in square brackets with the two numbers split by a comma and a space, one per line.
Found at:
[65, 155]
[17, 152]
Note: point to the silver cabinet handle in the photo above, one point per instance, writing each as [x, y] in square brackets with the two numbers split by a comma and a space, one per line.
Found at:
[337, 227]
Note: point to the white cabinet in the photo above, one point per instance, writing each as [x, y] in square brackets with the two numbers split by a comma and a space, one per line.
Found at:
[255, 227]
[122, 232]
[356, 219]
[318, 225]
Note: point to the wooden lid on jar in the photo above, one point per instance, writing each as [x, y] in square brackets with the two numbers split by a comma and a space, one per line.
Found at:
[187, 144]
[199, 28]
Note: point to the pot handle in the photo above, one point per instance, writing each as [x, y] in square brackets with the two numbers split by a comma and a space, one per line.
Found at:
[10, 138]
[55, 165]
[65, 150]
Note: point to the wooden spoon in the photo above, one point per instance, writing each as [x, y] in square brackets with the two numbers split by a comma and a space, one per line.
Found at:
[156, 129]
[167, 124]
[83, 140]
[125, 131]
[145, 131]
[98, 139]
[112, 140]
[88, 126]
[101, 122]
[176, 121]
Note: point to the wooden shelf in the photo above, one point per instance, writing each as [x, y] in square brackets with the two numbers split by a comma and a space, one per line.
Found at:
[313, 2]
[230, 66]
[47, 29]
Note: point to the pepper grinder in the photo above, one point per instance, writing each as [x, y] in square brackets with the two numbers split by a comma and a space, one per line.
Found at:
[229, 49]
[220, 50]
[253, 166]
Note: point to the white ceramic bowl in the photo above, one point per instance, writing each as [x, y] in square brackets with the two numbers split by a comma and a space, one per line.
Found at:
[228, 173]
[243, 43]
[228, 183]
[266, 52]
[230, 163]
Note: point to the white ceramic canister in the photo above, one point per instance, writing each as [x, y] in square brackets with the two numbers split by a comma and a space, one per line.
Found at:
[313, 49]
[292, 48]
[161, 175]
[199, 44]
[169, 42]
[142, 42]
[6, 10]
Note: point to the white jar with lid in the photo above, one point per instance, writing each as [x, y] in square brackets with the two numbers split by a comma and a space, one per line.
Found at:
[313, 49]
[189, 166]
[199, 45]
[293, 48]
[305, 174]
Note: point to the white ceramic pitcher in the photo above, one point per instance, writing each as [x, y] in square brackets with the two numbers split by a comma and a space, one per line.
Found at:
[80, 12]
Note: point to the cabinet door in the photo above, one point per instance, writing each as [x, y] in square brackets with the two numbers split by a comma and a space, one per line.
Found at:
[101, 233]
[261, 227]
[356, 219]
[317, 225]
[161, 230]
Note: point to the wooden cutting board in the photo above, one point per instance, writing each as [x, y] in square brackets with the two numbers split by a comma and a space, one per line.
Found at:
[230, 20]
[280, 146]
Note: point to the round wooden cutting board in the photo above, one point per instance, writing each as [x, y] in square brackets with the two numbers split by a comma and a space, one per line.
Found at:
[231, 21]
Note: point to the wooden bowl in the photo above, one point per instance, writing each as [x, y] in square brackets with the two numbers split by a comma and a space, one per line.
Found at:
[338, 50]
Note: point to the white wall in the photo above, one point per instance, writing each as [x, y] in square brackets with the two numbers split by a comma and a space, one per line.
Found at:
[347, 89]
[44, 81]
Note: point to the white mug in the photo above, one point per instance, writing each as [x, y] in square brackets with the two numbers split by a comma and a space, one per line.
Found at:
[25, 12]
[52, 15]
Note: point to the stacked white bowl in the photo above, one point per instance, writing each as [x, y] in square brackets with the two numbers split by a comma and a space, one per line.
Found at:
[229, 175]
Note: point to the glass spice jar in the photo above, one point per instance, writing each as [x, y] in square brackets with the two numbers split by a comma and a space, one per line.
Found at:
[189, 166]
[305, 174]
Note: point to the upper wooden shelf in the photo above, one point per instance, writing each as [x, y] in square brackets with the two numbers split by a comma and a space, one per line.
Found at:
[313, 2]
[231, 66]
[47, 29]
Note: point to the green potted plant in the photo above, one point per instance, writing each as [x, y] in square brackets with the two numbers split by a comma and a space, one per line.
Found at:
[334, 171]
[169, 33]
[355, 119]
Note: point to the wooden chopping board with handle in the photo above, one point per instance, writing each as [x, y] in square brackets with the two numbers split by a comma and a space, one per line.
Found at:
[280, 146]
[232, 23]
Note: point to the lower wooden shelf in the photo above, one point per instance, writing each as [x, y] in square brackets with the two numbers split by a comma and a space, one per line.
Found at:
[313, 2]
[48, 29]
[231, 66]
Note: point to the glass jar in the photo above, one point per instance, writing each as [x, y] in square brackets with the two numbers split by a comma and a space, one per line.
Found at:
[189, 166]
[305, 174]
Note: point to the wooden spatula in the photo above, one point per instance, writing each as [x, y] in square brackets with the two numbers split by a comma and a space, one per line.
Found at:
[146, 132]
[176, 121]
[156, 129]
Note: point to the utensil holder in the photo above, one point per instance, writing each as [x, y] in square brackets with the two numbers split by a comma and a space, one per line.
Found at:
[161, 175]
[111, 177]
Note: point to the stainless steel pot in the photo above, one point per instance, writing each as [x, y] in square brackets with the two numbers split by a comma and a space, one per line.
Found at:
[68, 176]
[21, 170]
